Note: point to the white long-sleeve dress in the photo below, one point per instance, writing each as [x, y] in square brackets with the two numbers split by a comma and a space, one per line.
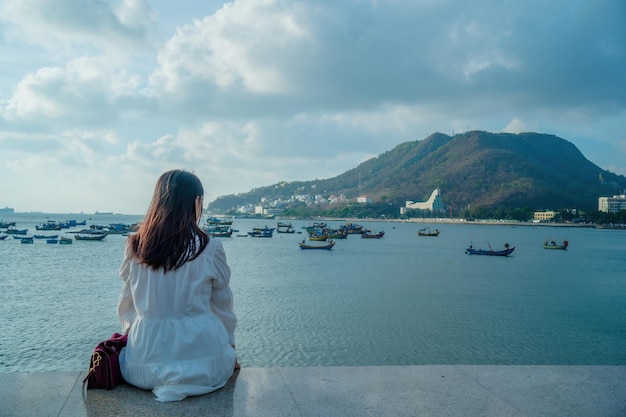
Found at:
[180, 325]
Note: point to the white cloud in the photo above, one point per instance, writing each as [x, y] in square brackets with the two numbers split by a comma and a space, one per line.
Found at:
[516, 126]
[86, 92]
[247, 45]
[68, 26]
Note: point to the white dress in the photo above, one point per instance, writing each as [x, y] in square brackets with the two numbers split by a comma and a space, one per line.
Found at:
[180, 325]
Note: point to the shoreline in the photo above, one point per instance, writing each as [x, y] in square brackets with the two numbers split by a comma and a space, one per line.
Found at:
[436, 220]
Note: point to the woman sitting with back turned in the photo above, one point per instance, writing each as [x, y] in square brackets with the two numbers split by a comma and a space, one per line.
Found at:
[176, 304]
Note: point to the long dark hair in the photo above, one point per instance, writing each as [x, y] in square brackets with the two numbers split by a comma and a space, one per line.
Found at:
[169, 236]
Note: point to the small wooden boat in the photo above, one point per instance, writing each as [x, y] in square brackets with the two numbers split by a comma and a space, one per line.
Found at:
[554, 245]
[93, 237]
[222, 233]
[219, 230]
[328, 246]
[27, 239]
[368, 235]
[45, 236]
[426, 232]
[337, 234]
[316, 227]
[65, 241]
[219, 222]
[282, 227]
[262, 232]
[4, 225]
[506, 252]
[14, 231]
[353, 229]
[2, 237]
[49, 225]
[52, 241]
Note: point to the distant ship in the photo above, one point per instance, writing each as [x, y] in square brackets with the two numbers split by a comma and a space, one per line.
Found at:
[99, 213]
[7, 210]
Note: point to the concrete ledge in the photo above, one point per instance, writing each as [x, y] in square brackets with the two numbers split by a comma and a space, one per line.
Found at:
[436, 390]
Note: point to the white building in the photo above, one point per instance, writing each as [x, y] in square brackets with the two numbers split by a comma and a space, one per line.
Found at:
[612, 204]
[363, 199]
[434, 203]
[543, 216]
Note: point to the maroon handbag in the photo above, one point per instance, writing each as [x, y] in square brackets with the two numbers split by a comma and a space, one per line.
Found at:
[104, 367]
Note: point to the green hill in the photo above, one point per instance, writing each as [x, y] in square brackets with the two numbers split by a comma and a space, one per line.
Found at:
[475, 168]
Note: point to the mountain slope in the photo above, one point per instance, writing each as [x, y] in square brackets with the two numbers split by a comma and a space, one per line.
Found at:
[474, 168]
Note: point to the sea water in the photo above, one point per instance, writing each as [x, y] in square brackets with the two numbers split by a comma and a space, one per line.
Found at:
[399, 300]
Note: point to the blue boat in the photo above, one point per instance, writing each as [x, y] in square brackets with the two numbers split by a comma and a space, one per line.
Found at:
[4, 225]
[262, 232]
[46, 236]
[13, 231]
[506, 252]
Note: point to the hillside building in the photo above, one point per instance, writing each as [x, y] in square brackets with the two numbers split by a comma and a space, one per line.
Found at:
[364, 199]
[612, 204]
[433, 204]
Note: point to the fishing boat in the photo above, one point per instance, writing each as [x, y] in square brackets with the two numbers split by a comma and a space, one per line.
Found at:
[49, 225]
[2, 237]
[27, 239]
[328, 245]
[4, 225]
[317, 226]
[219, 231]
[92, 237]
[65, 241]
[369, 235]
[506, 252]
[427, 232]
[262, 232]
[219, 222]
[52, 241]
[282, 227]
[554, 245]
[13, 231]
[45, 236]
[353, 229]
[337, 234]
[93, 230]
[222, 233]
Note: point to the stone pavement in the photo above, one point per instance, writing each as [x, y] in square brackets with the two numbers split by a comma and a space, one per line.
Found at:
[433, 390]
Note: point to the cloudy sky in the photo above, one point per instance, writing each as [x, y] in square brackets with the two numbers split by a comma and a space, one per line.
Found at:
[99, 97]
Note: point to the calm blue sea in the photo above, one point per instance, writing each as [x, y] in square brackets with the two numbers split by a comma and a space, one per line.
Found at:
[400, 300]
